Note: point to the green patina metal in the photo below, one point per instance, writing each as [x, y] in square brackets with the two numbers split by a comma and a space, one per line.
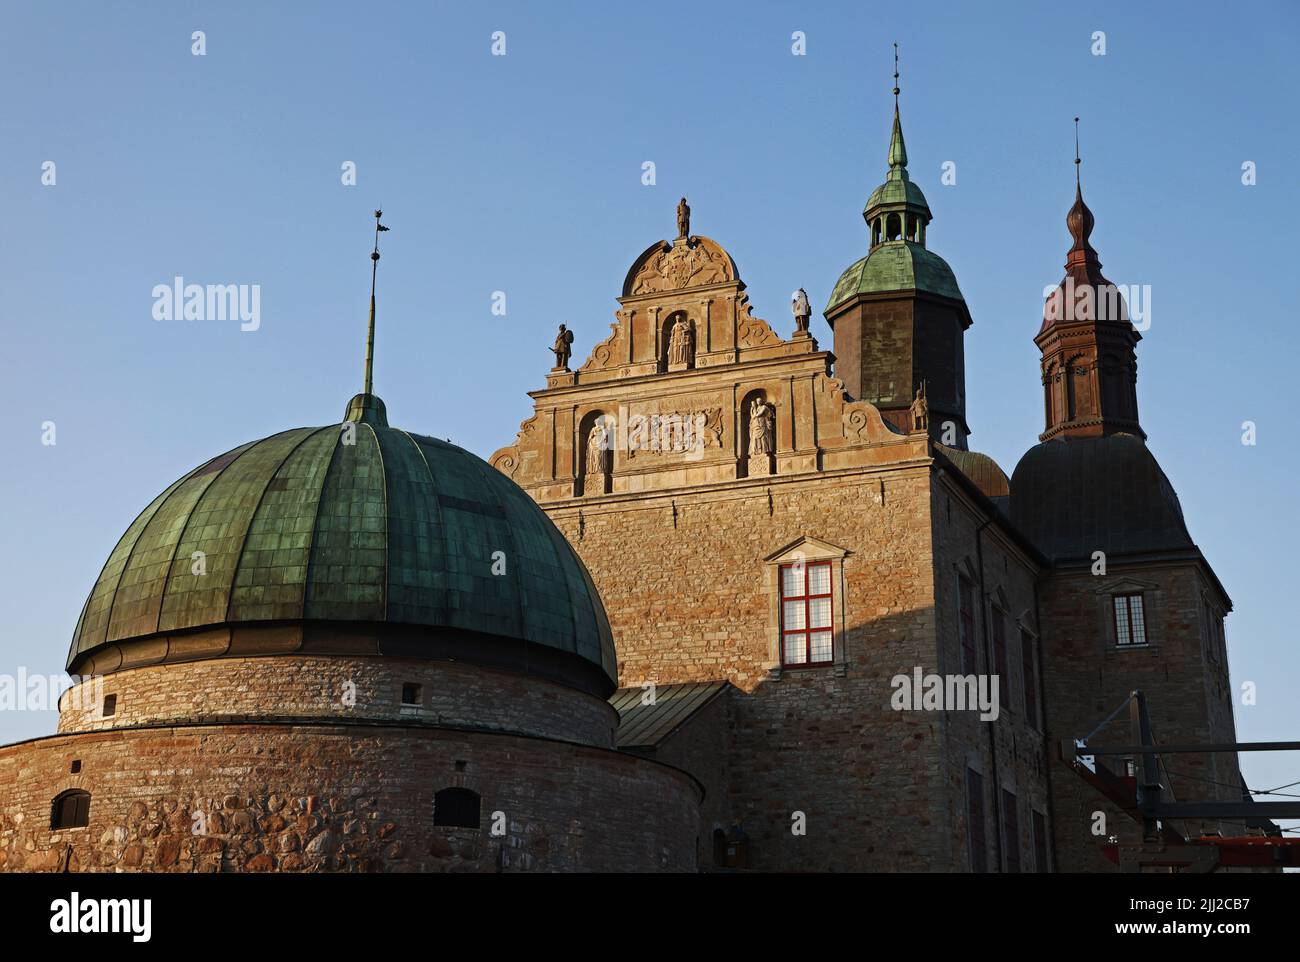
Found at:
[896, 266]
[357, 522]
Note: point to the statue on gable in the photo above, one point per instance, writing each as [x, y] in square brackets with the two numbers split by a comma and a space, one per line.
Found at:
[920, 410]
[681, 346]
[762, 420]
[598, 450]
[802, 312]
[562, 349]
[683, 218]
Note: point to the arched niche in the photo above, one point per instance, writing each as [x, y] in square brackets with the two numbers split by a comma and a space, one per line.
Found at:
[589, 481]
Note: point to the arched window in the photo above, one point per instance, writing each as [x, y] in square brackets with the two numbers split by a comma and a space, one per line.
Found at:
[875, 232]
[70, 809]
[893, 227]
[457, 808]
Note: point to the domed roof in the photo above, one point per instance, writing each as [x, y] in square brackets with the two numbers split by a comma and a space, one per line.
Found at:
[366, 528]
[897, 191]
[896, 266]
[982, 470]
[1081, 495]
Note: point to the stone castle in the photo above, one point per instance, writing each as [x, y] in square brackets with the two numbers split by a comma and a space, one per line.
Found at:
[665, 629]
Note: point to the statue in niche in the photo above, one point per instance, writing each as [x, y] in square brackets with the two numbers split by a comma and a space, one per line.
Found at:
[920, 410]
[762, 420]
[681, 349]
[802, 312]
[562, 348]
[683, 218]
[598, 450]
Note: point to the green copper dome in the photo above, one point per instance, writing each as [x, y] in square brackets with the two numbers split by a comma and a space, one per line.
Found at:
[375, 532]
[897, 192]
[896, 266]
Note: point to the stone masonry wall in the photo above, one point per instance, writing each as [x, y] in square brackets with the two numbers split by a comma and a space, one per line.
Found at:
[1008, 753]
[684, 580]
[342, 688]
[1088, 677]
[339, 798]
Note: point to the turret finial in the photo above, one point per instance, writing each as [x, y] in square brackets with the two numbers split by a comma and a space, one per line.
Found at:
[896, 91]
[1077, 161]
[370, 334]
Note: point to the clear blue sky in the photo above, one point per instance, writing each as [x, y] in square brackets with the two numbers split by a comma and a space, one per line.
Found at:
[523, 174]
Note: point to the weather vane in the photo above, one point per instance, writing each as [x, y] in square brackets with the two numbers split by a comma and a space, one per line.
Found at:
[370, 335]
[895, 75]
[1077, 161]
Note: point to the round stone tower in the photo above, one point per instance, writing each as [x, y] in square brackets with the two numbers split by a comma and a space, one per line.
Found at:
[342, 648]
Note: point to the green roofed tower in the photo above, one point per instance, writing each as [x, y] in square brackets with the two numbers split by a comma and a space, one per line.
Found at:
[898, 314]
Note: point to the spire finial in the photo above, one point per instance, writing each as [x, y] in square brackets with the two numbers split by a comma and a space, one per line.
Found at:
[370, 334]
[1077, 161]
[897, 151]
[896, 76]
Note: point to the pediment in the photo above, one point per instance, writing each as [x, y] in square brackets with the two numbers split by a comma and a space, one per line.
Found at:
[1123, 585]
[807, 549]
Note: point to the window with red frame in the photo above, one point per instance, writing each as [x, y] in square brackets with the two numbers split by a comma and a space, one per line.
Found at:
[1130, 621]
[807, 625]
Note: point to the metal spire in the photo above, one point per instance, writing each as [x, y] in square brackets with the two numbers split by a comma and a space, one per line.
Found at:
[1077, 186]
[895, 76]
[370, 335]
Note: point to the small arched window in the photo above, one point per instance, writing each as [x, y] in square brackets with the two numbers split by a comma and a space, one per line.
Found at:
[70, 809]
[893, 227]
[457, 808]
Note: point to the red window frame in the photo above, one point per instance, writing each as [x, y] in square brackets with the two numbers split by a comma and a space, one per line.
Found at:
[1130, 603]
[807, 630]
[966, 625]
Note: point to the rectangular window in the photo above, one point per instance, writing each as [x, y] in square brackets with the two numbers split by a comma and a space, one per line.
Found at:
[410, 693]
[1011, 830]
[1040, 843]
[1000, 657]
[807, 624]
[975, 821]
[1031, 677]
[966, 626]
[1130, 621]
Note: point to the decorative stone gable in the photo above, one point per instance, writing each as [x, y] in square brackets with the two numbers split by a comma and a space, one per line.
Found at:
[691, 387]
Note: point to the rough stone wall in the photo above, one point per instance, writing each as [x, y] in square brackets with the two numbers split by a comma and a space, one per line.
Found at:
[339, 798]
[1088, 677]
[683, 579]
[700, 747]
[343, 688]
[1009, 753]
